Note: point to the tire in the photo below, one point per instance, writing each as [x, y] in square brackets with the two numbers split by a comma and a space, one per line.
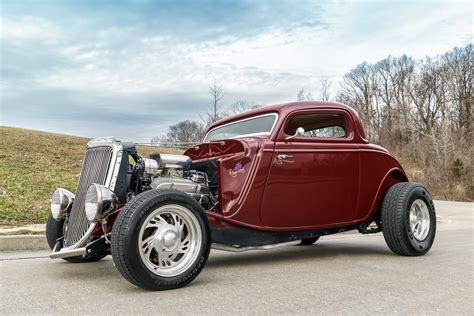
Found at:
[408, 219]
[54, 231]
[308, 241]
[149, 237]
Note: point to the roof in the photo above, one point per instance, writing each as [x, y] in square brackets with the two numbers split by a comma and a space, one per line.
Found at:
[284, 108]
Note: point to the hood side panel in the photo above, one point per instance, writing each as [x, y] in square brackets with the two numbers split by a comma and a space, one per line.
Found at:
[215, 149]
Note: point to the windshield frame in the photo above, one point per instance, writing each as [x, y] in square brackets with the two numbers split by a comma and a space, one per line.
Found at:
[243, 120]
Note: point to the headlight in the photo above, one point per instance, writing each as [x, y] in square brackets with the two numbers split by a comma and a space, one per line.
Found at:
[61, 201]
[99, 201]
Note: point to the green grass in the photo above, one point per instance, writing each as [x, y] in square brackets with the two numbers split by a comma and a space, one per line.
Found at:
[32, 165]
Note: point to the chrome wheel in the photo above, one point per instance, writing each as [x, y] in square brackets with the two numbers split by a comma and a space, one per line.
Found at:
[419, 219]
[170, 240]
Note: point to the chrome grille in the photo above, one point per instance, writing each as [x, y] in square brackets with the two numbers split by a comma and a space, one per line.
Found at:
[94, 170]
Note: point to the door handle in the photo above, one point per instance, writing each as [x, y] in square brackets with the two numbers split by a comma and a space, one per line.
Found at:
[283, 156]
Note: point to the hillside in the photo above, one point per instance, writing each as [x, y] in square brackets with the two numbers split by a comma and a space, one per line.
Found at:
[32, 164]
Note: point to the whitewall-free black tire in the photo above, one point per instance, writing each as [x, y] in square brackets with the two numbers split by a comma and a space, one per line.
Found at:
[408, 219]
[161, 240]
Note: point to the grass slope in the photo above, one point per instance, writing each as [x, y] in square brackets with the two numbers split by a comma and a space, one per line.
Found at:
[32, 165]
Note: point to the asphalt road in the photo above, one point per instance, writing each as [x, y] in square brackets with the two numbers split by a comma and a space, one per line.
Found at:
[343, 274]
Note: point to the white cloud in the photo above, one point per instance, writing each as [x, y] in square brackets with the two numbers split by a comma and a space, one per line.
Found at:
[271, 64]
[29, 28]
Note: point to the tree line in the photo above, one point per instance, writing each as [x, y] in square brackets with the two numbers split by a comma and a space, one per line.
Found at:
[421, 110]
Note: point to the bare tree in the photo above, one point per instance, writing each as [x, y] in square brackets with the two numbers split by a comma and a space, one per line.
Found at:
[241, 106]
[326, 89]
[460, 62]
[159, 140]
[304, 96]
[358, 89]
[185, 132]
[385, 91]
[214, 112]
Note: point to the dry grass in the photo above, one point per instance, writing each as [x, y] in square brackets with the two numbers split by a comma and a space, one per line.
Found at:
[32, 165]
[442, 183]
[441, 188]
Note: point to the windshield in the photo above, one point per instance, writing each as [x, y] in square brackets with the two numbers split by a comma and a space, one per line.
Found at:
[259, 125]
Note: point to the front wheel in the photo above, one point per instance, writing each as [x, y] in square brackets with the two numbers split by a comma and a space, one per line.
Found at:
[161, 240]
[408, 219]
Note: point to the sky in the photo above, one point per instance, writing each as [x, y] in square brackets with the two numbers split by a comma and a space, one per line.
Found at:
[130, 69]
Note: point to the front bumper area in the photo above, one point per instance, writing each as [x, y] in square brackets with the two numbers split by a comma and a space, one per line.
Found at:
[78, 249]
[97, 246]
[64, 253]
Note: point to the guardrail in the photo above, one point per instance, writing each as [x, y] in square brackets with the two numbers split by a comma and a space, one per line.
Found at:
[175, 145]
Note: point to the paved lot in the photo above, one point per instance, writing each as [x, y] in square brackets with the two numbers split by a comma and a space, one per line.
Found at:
[344, 274]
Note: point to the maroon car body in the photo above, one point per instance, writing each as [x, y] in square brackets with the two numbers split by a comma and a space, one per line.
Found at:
[324, 182]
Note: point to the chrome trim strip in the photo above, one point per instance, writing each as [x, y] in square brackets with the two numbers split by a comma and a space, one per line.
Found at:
[112, 174]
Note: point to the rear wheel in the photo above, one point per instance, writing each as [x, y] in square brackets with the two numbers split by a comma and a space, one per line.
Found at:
[161, 240]
[408, 219]
[54, 231]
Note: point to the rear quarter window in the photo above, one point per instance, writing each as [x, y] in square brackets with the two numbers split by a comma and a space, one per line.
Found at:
[318, 125]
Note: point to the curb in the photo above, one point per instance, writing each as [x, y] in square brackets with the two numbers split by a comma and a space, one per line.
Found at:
[23, 242]
[24, 230]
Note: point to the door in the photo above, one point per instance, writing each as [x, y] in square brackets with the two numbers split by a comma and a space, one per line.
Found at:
[313, 180]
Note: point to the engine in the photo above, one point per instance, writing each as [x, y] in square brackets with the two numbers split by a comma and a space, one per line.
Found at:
[164, 171]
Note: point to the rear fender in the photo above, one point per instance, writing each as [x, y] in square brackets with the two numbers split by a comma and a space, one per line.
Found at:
[393, 176]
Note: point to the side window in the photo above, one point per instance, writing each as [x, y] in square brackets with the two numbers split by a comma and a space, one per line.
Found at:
[318, 125]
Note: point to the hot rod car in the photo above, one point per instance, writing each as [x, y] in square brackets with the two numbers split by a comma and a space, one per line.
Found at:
[275, 176]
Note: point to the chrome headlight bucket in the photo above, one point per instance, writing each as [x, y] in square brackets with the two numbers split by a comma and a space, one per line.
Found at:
[99, 201]
[61, 202]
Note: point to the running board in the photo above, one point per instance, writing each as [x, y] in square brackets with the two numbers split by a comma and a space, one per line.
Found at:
[255, 238]
[247, 248]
